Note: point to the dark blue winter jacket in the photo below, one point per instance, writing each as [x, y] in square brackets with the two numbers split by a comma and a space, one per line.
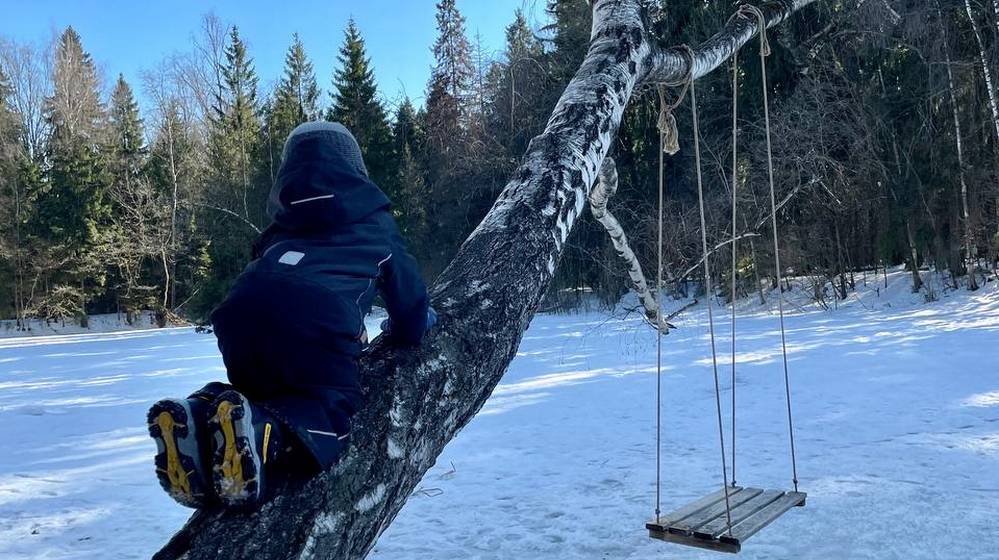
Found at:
[292, 327]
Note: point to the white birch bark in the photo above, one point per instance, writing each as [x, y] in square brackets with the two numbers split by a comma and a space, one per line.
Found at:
[995, 7]
[601, 194]
[672, 65]
[970, 262]
[983, 58]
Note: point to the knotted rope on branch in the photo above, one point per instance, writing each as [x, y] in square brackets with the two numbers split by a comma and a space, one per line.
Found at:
[670, 136]
[750, 11]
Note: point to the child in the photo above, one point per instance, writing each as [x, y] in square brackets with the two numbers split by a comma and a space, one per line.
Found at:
[292, 328]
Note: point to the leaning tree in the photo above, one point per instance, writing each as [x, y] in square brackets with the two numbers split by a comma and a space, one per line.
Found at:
[486, 297]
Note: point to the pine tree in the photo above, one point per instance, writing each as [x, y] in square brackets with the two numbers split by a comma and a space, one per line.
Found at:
[132, 235]
[446, 154]
[407, 129]
[11, 204]
[407, 189]
[518, 84]
[570, 30]
[410, 200]
[74, 210]
[356, 106]
[296, 99]
[239, 185]
[241, 122]
[450, 81]
[127, 137]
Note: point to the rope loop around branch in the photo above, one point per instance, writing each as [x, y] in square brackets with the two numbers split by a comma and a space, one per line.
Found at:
[751, 11]
[667, 122]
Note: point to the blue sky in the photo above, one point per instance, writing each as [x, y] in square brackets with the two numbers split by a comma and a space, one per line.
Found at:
[128, 36]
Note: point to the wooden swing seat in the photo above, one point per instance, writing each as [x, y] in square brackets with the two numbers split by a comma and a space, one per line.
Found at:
[703, 523]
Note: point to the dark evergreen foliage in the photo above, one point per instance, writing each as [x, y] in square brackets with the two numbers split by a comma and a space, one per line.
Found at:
[356, 105]
[105, 218]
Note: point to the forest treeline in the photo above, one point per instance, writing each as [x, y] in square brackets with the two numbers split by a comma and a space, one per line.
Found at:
[885, 136]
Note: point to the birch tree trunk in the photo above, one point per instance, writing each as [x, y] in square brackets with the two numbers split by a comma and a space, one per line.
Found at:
[995, 258]
[169, 271]
[983, 58]
[419, 399]
[917, 282]
[969, 258]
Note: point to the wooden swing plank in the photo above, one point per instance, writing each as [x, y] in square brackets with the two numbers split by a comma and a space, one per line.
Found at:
[703, 523]
[712, 512]
[716, 545]
[664, 521]
[766, 516]
[740, 513]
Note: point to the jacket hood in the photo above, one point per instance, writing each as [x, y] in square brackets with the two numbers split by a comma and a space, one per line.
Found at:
[322, 184]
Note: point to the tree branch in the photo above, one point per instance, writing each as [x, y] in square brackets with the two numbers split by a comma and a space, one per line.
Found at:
[672, 65]
[228, 212]
[605, 188]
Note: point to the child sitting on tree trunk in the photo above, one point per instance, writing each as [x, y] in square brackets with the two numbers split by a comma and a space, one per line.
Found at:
[291, 330]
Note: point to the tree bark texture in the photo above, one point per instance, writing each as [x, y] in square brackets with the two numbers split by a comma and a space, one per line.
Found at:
[600, 195]
[966, 218]
[986, 71]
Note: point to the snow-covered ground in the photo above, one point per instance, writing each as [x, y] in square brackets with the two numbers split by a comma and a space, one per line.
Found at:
[896, 410]
[106, 322]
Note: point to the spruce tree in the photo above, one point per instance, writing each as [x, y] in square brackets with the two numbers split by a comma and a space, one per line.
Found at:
[131, 235]
[446, 150]
[234, 123]
[407, 129]
[518, 83]
[73, 210]
[450, 81]
[407, 189]
[239, 184]
[296, 99]
[127, 137]
[356, 106]
[570, 29]
[241, 120]
[410, 202]
[75, 205]
[11, 274]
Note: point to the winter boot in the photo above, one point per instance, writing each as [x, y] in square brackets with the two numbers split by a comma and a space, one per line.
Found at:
[178, 426]
[245, 437]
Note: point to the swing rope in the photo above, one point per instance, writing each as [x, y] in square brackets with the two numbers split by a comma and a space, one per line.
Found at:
[735, 184]
[708, 291]
[659, 316]
[669, 143]
[764, 53]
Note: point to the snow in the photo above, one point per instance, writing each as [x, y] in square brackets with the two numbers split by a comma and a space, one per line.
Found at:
[98, 323]
[896, 418]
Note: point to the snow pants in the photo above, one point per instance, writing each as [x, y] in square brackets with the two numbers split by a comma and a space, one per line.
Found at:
[279, 359]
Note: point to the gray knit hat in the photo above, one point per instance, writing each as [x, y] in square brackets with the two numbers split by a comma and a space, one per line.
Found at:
[338, 137]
